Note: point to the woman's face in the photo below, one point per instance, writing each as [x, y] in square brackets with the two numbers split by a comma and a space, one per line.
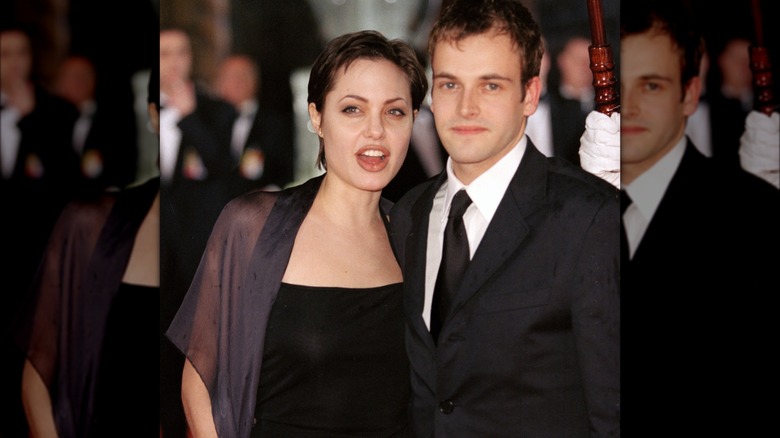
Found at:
[366, 122]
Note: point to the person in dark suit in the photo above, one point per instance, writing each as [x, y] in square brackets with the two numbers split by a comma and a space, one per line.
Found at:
[262, 153]
[195, 130]
[529, 344]
[692, 227]
[103, 137]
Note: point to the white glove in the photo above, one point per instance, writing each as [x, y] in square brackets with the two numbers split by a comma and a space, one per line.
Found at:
[759, 146]
[600, 146]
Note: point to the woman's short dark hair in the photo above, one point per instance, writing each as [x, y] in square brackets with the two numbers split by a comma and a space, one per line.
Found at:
[342, 51]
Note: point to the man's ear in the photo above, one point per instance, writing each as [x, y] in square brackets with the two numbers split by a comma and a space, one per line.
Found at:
[692, 92]
[532, 92]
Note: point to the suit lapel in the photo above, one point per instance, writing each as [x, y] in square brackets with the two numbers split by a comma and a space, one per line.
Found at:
[416, 254]
[676, 199]
[508, 228]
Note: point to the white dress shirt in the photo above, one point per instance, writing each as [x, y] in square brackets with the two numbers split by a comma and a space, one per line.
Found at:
[539, 128]
[10, 136]
[83, 125]
[170, 137]
[486, 193]
[646, 193]
[241, 128]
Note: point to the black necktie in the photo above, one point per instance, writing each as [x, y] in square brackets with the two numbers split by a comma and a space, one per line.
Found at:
[625, 201]
[454, 259]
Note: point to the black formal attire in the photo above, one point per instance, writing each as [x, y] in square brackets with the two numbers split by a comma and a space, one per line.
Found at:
[237, 310]
[531, 345]
[714, 233]
[112, 140]
[272, 144]
[190, 203]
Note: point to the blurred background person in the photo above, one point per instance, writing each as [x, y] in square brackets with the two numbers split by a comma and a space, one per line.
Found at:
[104, 140]
[195, 163]
[572, 98]
[262, 150]
[731, 98]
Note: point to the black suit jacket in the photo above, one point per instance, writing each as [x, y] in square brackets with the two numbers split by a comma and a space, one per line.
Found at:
[695, 327]
[112, 136]
[532, 345]
[270, 137]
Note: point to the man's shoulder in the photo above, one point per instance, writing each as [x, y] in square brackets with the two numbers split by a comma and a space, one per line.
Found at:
[570, 178]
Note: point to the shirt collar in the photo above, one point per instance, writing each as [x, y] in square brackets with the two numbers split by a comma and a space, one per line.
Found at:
[647, 190]
[248, 107]
[488, 189]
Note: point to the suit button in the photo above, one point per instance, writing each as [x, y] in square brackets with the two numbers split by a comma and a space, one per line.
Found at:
[446, 406]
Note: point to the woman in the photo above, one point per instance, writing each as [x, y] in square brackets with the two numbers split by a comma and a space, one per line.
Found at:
[86, 335]
[293, 323]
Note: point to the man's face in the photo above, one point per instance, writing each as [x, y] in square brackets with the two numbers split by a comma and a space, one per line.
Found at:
[478, 101]
[653, 107]
[76, 80]
[175, 57]
[236, 80]
[15, 57]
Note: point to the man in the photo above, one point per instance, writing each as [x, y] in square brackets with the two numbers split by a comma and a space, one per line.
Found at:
[528, 337]
[262, 154]
[195, 131]
[103, 137]
[693, 229]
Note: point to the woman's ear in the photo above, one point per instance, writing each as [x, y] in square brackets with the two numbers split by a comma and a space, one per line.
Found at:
[316, 118]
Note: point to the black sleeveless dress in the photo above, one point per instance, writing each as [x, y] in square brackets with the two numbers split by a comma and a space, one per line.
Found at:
[334, 364]
[127, 392]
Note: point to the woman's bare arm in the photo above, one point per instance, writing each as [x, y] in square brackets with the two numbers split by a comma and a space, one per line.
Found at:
[197, 403]
[37, 404]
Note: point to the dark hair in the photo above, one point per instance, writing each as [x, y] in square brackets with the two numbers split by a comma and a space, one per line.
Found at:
[465, 18]
[342, 51]
[671, 18]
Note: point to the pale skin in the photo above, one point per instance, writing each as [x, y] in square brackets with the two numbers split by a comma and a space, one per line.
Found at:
[479, 102]
[143, 269]
[342, 241]
[237, 80]
[654, 104]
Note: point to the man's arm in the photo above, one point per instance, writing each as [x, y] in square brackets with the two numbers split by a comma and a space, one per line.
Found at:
[596, 319]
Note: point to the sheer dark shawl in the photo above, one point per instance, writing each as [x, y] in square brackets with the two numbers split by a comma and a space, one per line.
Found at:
[221, 324]
[61, 328]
